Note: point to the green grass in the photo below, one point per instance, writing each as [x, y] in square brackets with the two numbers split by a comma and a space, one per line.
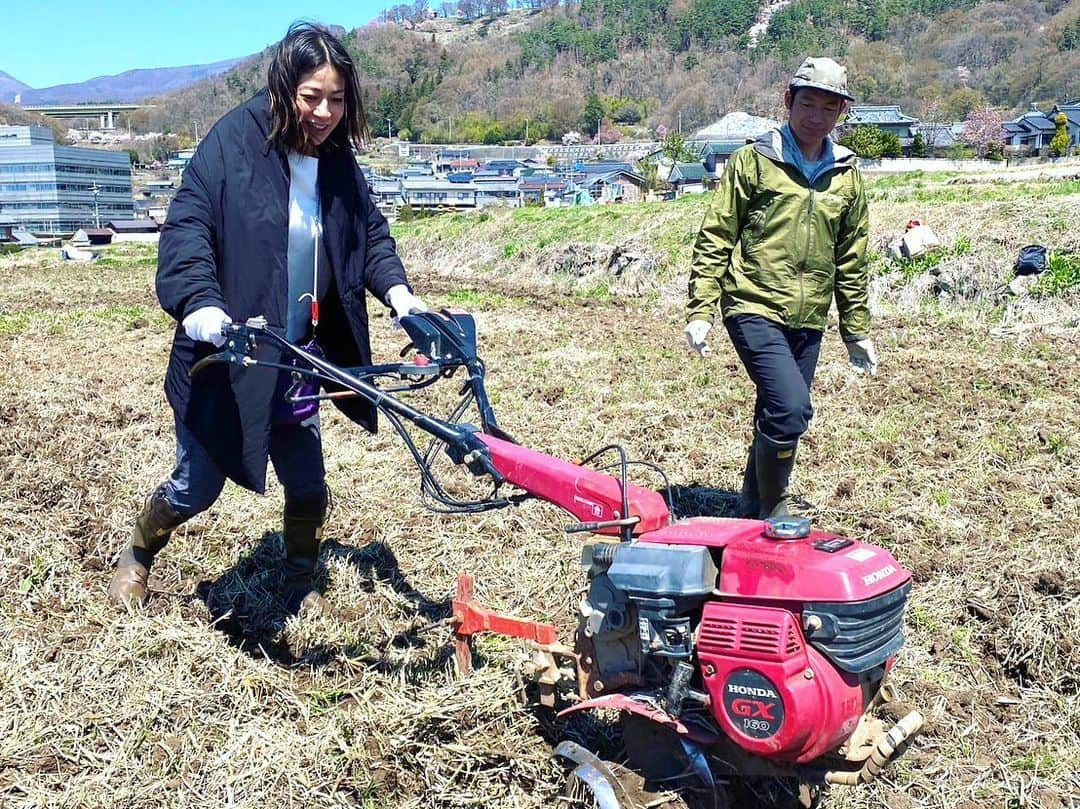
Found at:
[667, 229]
[914, 267]
[480, 299]
[1062, 275]
[15, 323]
[923, 618]
[128, 261]
[1041, 761]
[59, 322]
[994, 191]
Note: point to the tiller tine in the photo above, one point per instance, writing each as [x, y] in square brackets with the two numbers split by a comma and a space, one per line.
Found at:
[470, 618]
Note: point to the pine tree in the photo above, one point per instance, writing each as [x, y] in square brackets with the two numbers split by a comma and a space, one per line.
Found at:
[918, 145]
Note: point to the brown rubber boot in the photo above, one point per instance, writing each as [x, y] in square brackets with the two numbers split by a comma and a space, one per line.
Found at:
[774, 461]
[153, 527]
[303, 521]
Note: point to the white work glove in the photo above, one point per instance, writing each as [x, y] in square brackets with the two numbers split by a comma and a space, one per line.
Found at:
[862, 355]
[403, 302]
[696, 331]
[204, 325]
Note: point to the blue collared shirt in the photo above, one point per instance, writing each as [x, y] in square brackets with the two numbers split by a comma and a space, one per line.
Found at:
[811, 169]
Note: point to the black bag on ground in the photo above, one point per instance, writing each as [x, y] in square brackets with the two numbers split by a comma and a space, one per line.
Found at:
[1031, 260]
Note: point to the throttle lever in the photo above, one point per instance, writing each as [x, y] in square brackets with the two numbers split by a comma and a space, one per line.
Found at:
[578, 527]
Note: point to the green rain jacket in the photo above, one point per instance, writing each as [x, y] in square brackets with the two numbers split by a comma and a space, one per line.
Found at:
[773, 245]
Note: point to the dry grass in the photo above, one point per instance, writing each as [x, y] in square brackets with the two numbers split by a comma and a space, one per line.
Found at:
[961, 457]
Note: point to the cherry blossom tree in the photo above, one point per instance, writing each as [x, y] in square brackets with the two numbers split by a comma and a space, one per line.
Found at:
[982, 130]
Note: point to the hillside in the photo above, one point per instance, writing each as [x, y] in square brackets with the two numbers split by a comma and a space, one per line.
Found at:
[961, 457]
[648, 63]
[14, 116]
[10, 87]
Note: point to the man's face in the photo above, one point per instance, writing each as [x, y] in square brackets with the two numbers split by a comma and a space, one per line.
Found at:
[812, 114]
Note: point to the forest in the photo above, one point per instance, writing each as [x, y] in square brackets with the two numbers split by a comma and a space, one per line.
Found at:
[540, 70]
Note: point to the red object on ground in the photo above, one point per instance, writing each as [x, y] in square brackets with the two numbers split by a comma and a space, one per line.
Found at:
[470, 618]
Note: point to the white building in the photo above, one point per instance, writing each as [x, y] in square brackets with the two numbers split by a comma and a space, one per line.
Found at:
[52, 189]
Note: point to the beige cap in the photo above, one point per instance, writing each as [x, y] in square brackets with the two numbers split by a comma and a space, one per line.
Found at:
[822, 73]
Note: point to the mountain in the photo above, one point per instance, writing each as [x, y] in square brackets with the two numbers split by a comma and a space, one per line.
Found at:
[127, 87]
[10, 86]
[548, 67]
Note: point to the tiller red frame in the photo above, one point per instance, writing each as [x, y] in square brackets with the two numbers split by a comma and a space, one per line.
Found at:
[733, 650]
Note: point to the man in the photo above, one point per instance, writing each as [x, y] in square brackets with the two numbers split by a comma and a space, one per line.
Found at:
[785, 233]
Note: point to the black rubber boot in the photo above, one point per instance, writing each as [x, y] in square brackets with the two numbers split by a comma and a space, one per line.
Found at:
[749, 505]
[773, 461]
[303, 521]
[153, 527]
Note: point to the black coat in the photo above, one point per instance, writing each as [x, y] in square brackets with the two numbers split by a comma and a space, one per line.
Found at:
[225, 244]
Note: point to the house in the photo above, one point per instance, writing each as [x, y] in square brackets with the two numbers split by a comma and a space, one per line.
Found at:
[1032, 131]
[24, 238]
[504, 167]
[463, 164]
[134, 230]
[689, 178]
[939, 138]
[386, 191]
[886, 117]
[615, 186]
[159, 188]
[92, 236]
[715, 154]
[433, 194]
[154, 208]
[179, 160]
[443, 161]
[601, 166]
[541, 189]
[1072, 120]
[416, 168]
[496, 190]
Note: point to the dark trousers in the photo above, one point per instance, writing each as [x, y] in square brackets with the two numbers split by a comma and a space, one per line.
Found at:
[295, 451]
[781, 362]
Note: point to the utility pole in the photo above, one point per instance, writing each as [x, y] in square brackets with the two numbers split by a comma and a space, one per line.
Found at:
[97, 216]
[388, 135]
[196, 125]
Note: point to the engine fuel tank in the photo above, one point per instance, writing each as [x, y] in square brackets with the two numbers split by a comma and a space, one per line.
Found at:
[817, 567]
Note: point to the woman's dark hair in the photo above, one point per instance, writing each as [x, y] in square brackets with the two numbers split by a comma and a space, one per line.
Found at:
[306, 48]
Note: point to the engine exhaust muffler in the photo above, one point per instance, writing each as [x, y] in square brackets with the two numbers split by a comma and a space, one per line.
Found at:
[883, 753]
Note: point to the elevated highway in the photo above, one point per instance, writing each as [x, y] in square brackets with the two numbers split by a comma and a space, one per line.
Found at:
[106, 113]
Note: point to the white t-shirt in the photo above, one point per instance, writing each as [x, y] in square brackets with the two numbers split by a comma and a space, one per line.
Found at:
[305, 238]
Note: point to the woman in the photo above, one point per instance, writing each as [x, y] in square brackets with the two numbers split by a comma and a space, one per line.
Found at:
[273, 214]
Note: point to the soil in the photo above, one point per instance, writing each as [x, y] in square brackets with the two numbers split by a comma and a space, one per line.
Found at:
[960, 457]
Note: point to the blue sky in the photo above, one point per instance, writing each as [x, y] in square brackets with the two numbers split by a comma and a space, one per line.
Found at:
[68, 41]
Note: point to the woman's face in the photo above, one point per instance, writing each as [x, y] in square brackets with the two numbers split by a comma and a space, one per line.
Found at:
[320, 104]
